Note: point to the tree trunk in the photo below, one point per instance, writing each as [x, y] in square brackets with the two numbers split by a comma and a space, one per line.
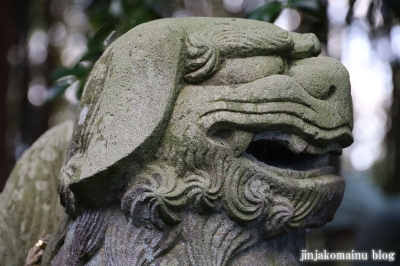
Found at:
[8, 36]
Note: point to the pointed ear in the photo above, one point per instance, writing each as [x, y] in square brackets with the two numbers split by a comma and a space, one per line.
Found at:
[125, 107]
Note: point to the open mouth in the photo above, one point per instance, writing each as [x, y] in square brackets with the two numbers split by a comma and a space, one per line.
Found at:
[287, 151]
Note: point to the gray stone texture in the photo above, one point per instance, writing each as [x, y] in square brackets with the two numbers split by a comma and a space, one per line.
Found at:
[29, 205]
[203, 141]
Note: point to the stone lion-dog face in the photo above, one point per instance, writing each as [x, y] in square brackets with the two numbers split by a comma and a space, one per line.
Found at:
[218, 115]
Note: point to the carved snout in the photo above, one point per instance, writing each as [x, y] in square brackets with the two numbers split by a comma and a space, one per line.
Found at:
[320, 77]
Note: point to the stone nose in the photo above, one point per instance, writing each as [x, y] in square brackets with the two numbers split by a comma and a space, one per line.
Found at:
[320, 77]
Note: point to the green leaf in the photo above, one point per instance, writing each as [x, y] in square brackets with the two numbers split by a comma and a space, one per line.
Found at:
[101, 34]
[268, 12]
[59, 73]
[312, 7]
[81, 69]
[130, 4]
[59, 87]
[109, 27]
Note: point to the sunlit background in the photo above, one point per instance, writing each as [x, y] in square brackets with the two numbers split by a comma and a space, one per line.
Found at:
[58, 42]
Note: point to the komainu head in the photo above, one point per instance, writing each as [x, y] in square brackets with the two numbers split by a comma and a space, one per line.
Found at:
[211, 115]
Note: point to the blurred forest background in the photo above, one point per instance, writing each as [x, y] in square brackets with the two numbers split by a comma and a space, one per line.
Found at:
[48, 48]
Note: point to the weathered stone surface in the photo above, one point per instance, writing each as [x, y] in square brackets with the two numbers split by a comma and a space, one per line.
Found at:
[29, 206]
[205, 136]
[203, 141]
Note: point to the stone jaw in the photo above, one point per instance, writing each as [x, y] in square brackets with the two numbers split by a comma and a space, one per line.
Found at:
[173, 132]
[273, 201]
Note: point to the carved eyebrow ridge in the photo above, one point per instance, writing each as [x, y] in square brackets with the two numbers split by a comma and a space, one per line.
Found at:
[206, 49]
[301, 102]
[230, 42]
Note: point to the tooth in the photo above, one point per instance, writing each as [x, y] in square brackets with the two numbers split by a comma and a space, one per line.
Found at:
[297, 144]
[239, 141]
[334, 148]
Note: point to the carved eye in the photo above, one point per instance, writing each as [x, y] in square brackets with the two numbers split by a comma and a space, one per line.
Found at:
[245, 70]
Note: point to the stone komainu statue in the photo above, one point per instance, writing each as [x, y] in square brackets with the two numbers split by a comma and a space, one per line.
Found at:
[198, 141]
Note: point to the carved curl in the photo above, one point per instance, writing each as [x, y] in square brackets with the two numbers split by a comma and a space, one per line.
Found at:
[247, 196]
[155, 202]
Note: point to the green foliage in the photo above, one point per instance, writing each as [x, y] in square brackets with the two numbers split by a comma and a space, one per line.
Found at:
[311, 7]
[110, 25]
[271, 10]
[268, 12]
